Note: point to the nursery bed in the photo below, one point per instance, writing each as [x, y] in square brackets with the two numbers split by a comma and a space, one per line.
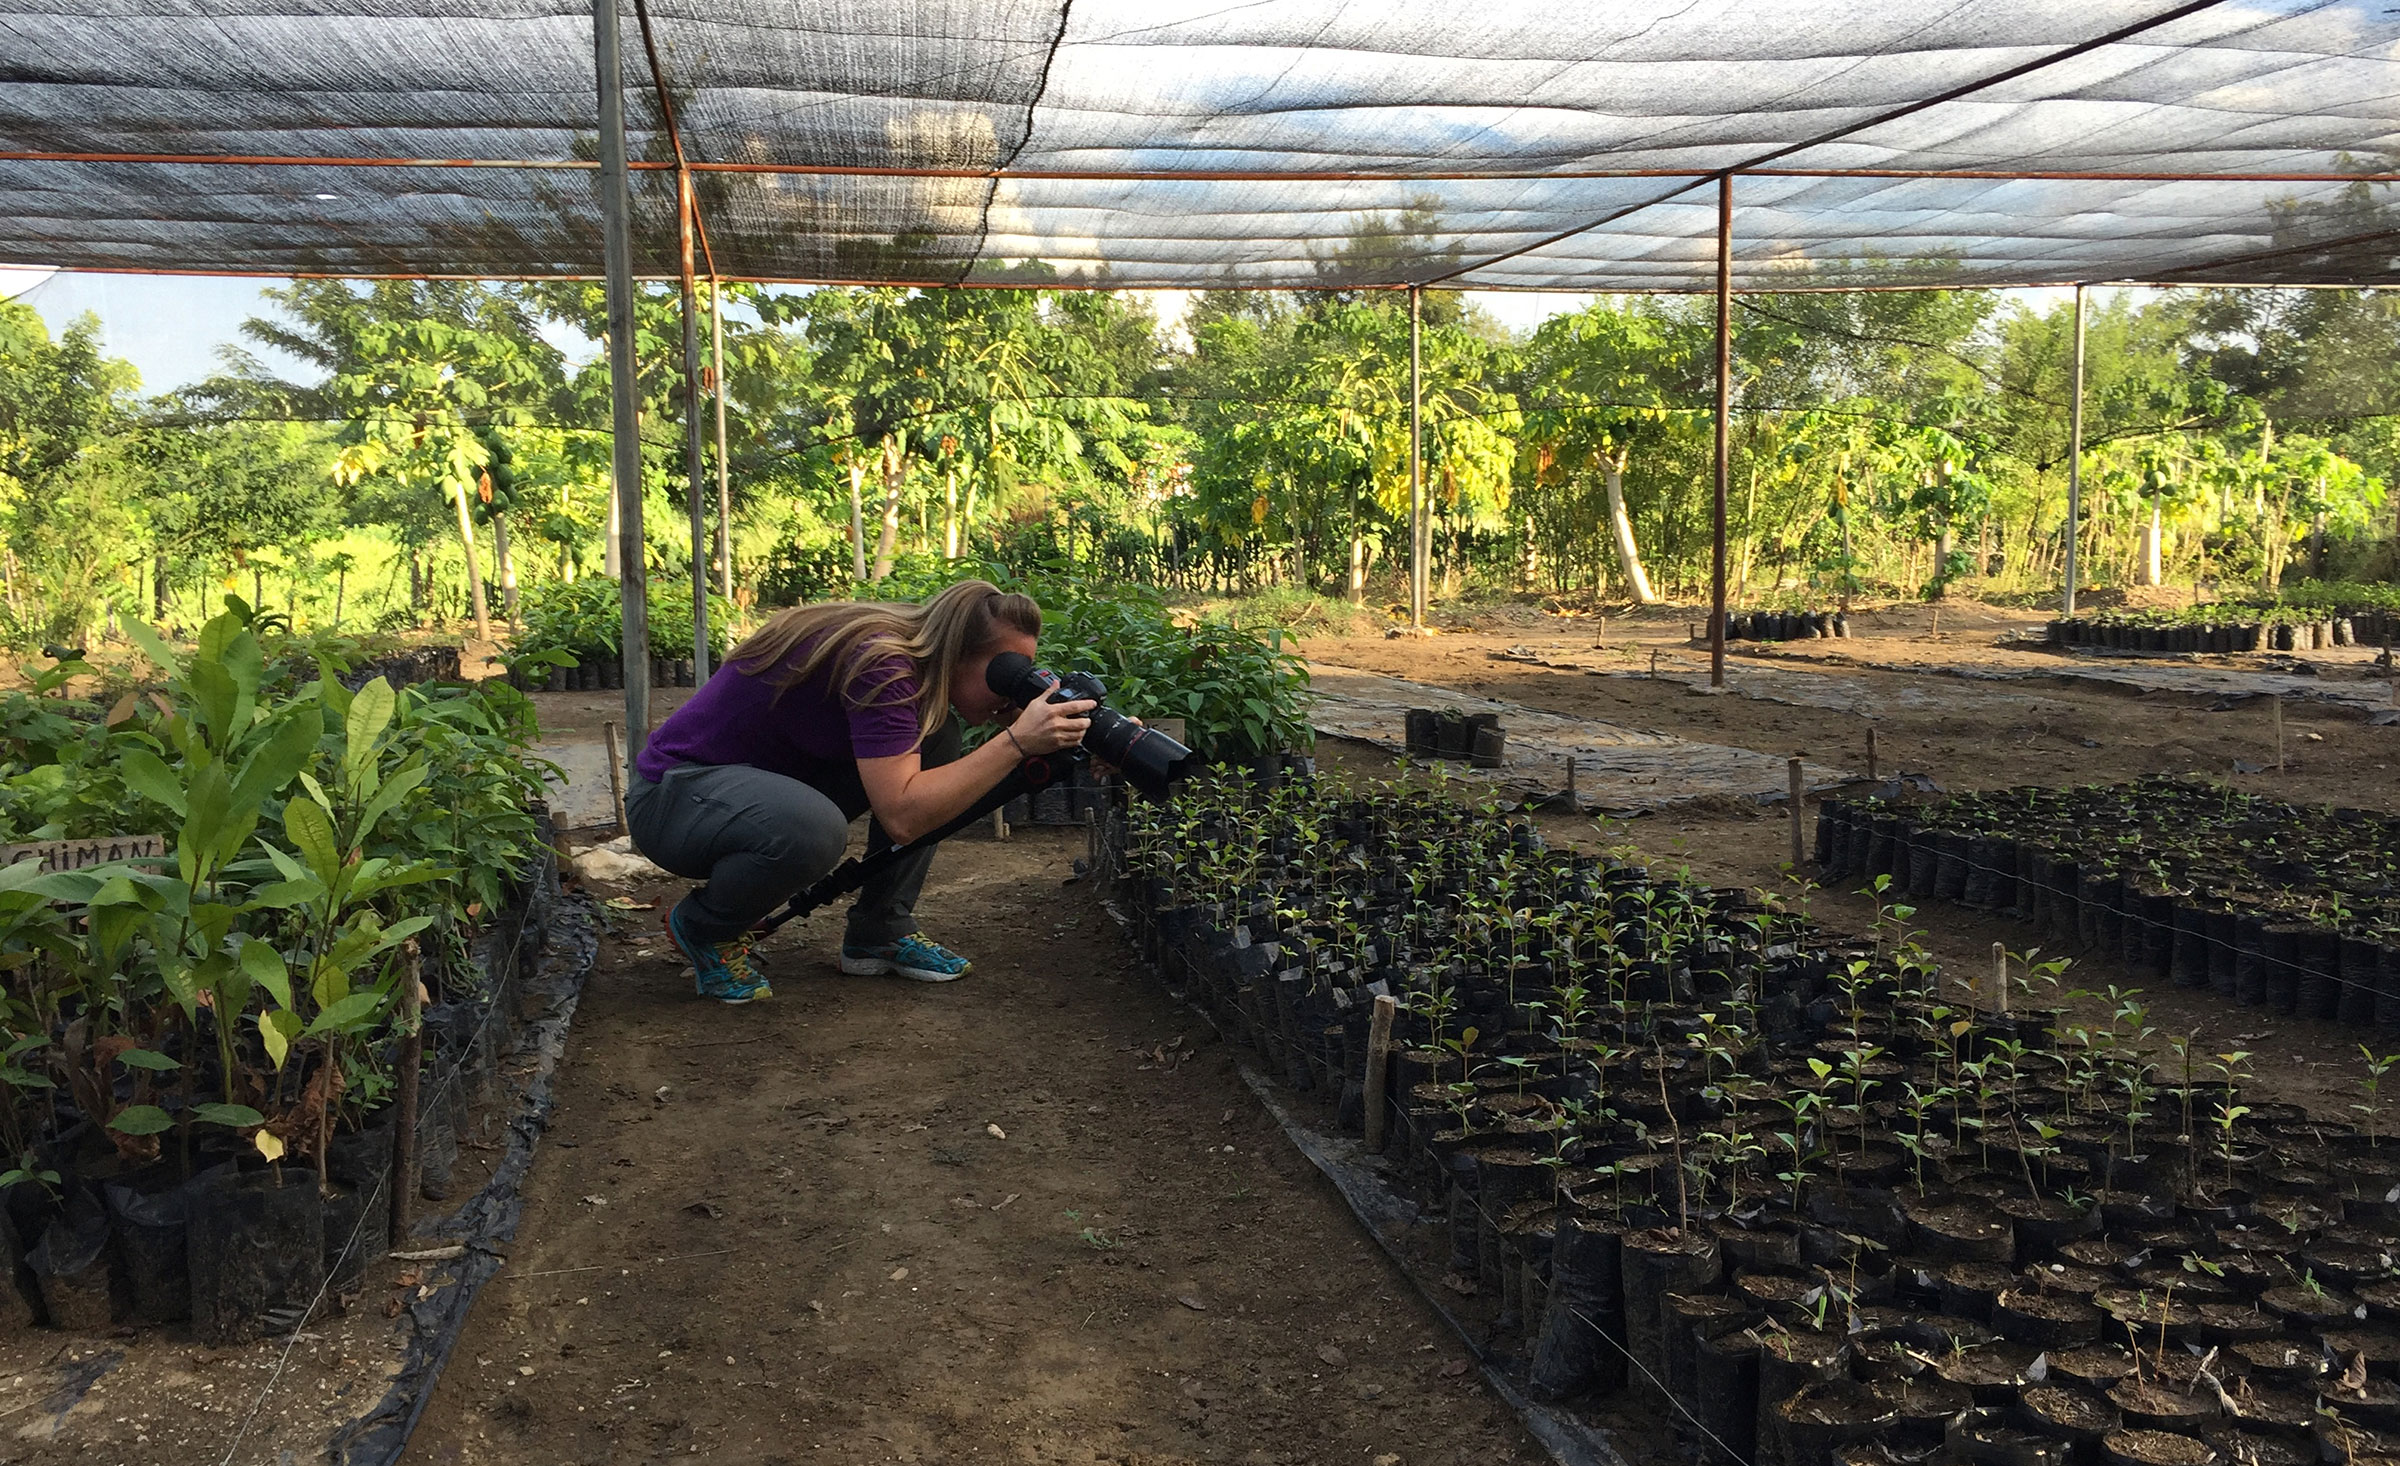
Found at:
[344, 1384]
[2272, 1243]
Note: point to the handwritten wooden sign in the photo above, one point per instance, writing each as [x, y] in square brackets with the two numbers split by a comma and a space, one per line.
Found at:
[83, 854]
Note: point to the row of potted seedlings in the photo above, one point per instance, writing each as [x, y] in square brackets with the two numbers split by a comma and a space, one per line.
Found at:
[201, 1053]
[595, 673]
[2228, 629]
[1786, 625]
[1780, 1184]
[2283, 906]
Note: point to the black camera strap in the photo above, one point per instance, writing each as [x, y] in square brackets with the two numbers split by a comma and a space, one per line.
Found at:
[1038, 772]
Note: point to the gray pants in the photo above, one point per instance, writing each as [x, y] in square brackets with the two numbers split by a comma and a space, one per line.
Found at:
[756, 839]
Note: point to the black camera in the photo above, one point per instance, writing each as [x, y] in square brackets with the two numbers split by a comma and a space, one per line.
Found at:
[1149, 759]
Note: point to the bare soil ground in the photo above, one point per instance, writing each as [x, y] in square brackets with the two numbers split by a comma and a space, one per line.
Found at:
[2064, 734]
[1029, 1217]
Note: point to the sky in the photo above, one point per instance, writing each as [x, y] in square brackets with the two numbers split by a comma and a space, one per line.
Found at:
[173, 327]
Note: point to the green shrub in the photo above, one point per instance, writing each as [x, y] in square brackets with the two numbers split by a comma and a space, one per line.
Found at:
[570, 621]
[1239, 697]
[246, 982]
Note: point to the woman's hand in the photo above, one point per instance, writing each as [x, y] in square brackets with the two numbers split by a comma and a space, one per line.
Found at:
[1047, 727]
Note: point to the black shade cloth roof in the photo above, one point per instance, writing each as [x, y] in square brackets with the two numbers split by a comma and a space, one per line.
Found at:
[1531, 144]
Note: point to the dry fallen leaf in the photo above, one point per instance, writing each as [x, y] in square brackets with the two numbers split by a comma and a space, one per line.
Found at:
[1194, 1304]
[1005, 1200]
[627, 903]
[1332, 1355]
[899, 1274]
[995, 1132]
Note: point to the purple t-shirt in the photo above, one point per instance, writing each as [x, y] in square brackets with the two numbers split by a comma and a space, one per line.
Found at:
[810, 733]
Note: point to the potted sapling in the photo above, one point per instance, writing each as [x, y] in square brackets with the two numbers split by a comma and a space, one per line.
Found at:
[2370, 1106]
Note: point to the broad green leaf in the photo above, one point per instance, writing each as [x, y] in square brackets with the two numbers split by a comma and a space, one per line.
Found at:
[214, 698]
[147, 775]
[285, 866]
[332, 693]
[370, 713]
[284, 895]
[141, 1120]
[407, 777]
[232, 1117]
[152, 645]
[316, 791]
[284, 754]
[205, 824]
[267, 968]
[311, 832]
[155, 1062]
[349, 1013]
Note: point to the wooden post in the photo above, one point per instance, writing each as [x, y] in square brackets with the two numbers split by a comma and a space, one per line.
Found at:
[1379, 1050]
[412, 1061]
[2278, 735]
[616, 776]
[1870, 750]
[999, 824]
[1799, 797]
[1603, 638]
[1654, 664]
[2000, 972]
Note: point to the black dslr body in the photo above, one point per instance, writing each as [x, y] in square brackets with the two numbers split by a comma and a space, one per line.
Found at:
[1148, 758]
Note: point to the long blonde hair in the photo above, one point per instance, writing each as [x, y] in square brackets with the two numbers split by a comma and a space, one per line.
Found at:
[854, 636]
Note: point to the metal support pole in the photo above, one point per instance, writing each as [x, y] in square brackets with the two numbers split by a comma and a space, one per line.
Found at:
[625, 406]
[716, 328]
[1716, 589]
[2074, 463]
[1416, 456]
[695, 496]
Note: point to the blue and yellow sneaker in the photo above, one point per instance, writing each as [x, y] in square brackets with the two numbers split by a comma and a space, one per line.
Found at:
[912, 957]
[721, 971]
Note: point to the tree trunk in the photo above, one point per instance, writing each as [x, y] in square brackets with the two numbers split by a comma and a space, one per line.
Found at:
[416, 587]
[858, 525]
[508, 568]
[612, 563]
[895, 475]
[258, 587]
[158, 587]
[950, 514]
[1629, 556]
[1945, 544]
[466, 547]
[1358, 553]
[2151, 534]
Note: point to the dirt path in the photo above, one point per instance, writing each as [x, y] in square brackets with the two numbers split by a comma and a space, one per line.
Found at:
[878, 1221]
